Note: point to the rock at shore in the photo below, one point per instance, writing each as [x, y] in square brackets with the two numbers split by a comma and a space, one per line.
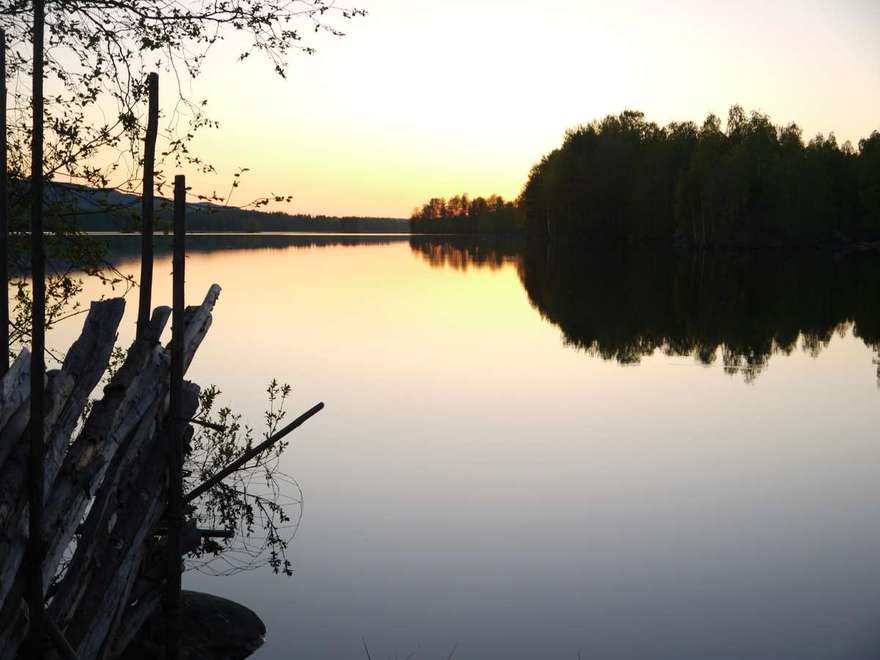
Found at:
[211, 628]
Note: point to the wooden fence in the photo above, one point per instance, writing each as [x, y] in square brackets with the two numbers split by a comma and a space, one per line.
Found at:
[92, 522]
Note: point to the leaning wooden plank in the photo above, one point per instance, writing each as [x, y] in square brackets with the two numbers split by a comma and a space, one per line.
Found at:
[85, 362]
[13, 510]
[13, 432]
[104, 513]
[14, 408]
[118, 562]
[81, 371]
[13, 470]
[68, 392]
[142, 379]
[127, 399]
[198, 320]
[14, 386]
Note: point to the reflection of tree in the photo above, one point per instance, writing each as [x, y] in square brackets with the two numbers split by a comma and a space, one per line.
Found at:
[121, 248]
[744, 308]
[736, 309]
[461, 254]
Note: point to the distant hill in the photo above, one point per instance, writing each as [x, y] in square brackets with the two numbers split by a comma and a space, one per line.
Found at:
[110, 210]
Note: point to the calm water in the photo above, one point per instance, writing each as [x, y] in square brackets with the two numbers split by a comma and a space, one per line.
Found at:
[533, 471]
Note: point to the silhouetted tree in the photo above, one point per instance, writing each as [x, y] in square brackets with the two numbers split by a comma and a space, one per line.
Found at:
[462, 215]
[623, 180]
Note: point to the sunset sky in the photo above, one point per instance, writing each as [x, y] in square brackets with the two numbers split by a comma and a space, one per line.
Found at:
[426, 98]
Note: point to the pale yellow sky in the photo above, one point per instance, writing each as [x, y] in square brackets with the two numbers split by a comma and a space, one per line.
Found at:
[425, 98]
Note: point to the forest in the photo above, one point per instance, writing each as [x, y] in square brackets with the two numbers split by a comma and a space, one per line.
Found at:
[462, 215]
[625, 180]
[93, 209]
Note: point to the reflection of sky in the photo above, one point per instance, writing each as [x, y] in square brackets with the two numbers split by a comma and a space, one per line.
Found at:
[474, 481]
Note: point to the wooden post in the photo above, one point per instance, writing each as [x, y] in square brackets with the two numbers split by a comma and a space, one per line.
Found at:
[176, 429]
[35, 549]
[144, 300]
[4, 217]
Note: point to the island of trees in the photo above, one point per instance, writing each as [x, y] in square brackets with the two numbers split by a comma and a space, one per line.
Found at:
[462, 215]
[625, 180]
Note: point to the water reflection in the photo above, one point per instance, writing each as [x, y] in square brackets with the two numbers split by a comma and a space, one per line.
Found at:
[464, 253]
[738, 310]
[126, 247]
[476, 482]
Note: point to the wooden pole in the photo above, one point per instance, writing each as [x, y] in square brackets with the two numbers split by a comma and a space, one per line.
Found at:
[248, 455]
[4, 217]
[176, 428]
[36, 548]
[144, 300]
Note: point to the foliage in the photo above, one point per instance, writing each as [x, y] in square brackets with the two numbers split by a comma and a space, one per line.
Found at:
[625, 180]
[250, 504]
[97, 58]
[462, 215]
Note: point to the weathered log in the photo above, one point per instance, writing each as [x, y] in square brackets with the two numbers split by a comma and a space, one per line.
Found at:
[85, 362]
[103, 515]
[113, 458]
[139, 383]
[67, 393]
[14, 403]
[13, 432]
[113, 497]
[14, 386]
[198, 321]
[13, 506]
[118, 563]
[83, 367]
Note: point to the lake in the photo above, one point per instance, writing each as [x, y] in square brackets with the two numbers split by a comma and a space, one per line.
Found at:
[524, 456]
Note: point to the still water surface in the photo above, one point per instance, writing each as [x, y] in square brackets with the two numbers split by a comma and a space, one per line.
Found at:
[482, 480]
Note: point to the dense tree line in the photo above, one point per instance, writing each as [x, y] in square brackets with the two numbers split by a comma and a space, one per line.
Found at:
[627, 180]
[92, 209]
[462, 215]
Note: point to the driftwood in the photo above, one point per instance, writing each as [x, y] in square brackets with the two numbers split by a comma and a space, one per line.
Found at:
[108, 482]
